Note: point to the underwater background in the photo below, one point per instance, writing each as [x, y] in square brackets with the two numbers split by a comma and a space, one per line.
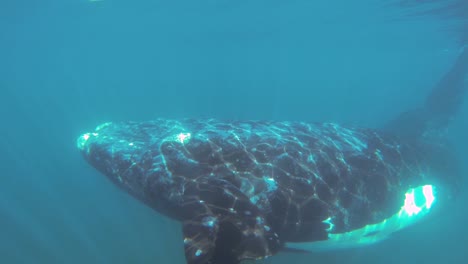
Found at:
[67, 66]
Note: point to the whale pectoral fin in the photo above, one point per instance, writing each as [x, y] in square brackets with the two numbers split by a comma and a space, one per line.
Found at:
[207, 241]
[222, 226]
[200, 239]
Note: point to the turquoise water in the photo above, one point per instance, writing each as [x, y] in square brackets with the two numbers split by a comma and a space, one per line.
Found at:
[67, 66]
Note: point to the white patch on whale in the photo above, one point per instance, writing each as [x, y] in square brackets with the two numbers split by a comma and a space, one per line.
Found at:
[416, 205]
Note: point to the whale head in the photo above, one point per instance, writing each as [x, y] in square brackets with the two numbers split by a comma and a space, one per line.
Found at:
[179, 172]
[132, 157]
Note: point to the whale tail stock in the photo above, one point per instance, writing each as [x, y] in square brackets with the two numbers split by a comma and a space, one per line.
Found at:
[447, 96]
[439, 108]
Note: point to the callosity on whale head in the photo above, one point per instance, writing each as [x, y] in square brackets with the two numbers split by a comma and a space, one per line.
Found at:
[129, 159]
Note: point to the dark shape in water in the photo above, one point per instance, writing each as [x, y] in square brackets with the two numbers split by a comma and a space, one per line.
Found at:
[246, 190]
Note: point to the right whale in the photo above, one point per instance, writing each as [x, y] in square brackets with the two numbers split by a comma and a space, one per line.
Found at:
[249, 189]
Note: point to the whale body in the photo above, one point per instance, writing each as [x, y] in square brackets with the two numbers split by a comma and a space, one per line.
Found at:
[249, 189]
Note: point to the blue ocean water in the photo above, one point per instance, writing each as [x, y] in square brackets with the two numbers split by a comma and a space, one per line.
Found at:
[67, 66]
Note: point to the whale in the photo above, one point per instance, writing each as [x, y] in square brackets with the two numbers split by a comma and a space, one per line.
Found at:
[246, 190]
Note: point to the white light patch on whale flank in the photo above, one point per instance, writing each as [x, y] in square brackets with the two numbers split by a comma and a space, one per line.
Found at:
[413, 205]
[209, 221]
[428, 193]
[417, 204]
[410, 206]
[330, 224]
[271, 183]
[183, 137]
